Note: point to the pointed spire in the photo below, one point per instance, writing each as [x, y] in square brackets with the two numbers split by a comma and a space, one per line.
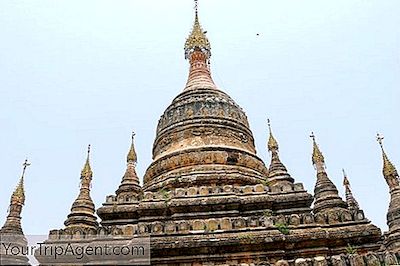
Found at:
[132, 157]
[272, 143]
[13, 222]
[87, 170]
[19, 192]
[198, 52]
[82, 210]
[277, 171]
[130, 181]
[389, 170]
[393, 215]
[325, 192]
[350, 200]
[197, 39]
[317, 156]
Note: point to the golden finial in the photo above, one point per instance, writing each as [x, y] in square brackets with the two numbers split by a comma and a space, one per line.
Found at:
[272, 143]
[197, 39]
[19, 192]
[87, 171]
[346, 182]
[317, 156]
[388, 168]
[132, 154]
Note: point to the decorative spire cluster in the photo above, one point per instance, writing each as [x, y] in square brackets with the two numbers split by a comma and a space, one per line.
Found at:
[82, 210]
[13, 221]
[350, 200]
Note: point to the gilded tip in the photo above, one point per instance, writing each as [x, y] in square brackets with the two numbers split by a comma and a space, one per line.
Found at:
[132, 157]
[87, 171]
[18, 195]
[389, 170]
[197, 39]
[317, 156]
[272, 143]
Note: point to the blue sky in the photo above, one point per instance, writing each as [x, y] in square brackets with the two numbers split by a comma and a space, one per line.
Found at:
[78, 72]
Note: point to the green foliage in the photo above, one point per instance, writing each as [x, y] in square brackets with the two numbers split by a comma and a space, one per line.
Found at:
[283, 228]
[164, 193]
[265, 182]
[267, 213]
[247, 237]
[351, 249]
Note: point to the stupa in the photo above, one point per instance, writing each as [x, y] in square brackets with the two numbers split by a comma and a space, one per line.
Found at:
[11, 234]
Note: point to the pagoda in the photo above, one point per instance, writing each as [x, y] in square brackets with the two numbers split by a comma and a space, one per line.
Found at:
[207, 198]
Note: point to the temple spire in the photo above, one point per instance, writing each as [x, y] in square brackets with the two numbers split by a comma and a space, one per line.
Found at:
[198, 52]
[197, 39]
[132, 157]
[277, 171]
[272, 143]
[87, 170]
[350, 200]
[82, 210]
[389, 170]
[393, 215]
[13, 221]
[130, 182]
[318, 159]
[325, 192]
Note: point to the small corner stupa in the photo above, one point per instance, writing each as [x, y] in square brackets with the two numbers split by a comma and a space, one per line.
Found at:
[11, 234]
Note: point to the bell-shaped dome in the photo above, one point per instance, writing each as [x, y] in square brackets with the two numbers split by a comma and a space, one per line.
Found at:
[203, 137]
